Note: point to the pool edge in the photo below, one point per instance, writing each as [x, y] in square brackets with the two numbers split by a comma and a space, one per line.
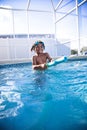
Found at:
[18, 61]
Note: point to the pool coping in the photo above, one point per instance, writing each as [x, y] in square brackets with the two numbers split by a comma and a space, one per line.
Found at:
[15, 61]
[18, 61]
[75, 58]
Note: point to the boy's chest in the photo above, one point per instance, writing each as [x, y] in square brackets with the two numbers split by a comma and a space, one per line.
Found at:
[41, 59]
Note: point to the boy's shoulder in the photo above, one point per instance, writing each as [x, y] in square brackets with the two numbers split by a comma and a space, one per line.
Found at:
[34, 56]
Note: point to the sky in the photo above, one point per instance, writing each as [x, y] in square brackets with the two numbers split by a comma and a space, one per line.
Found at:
[43, 22]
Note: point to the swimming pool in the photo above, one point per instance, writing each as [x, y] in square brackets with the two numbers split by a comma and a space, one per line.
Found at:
[53, 99]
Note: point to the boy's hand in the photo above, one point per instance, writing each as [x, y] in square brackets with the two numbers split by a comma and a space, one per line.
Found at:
[42, 65]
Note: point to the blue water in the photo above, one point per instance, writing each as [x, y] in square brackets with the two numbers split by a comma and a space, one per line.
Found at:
[53, 99]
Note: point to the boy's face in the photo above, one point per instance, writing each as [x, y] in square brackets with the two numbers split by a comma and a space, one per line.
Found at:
[39, 48]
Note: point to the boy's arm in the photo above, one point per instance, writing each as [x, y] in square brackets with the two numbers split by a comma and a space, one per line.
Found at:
[48, 57]
[39, 67]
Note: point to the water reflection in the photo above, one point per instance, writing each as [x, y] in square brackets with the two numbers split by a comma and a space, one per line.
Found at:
[40, 79]
[41, 89]
[10, 100]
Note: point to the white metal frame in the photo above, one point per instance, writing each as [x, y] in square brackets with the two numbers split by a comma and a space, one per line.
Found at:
[77, 13]
[54, 14]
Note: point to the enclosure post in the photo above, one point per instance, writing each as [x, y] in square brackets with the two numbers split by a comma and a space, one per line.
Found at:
[28, 23]
[28, 5]
[78, 31]
[55, 23]
[13, 24]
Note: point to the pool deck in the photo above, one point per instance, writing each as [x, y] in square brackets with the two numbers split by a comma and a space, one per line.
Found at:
[73, 57]
[70, 58]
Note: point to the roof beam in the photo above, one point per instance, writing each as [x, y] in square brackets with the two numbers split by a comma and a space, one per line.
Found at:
[28, 4]
[59, 3]
[71, 10]
[52, 5]
[44, 11]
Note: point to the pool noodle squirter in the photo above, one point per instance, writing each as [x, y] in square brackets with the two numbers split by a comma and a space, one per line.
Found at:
[57, 61]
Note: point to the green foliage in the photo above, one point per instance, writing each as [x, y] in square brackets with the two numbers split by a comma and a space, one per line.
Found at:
[73, 52]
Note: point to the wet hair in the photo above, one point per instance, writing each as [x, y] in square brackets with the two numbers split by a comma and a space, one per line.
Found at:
[37, 43]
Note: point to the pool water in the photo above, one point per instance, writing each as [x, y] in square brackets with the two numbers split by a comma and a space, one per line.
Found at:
[53, 99]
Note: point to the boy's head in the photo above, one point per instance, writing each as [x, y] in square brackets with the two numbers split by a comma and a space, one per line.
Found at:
[36, 44]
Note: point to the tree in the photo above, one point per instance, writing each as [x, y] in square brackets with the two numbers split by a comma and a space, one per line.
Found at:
[74, 52]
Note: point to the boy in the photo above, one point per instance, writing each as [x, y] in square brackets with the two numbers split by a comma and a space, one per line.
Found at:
[40, 59]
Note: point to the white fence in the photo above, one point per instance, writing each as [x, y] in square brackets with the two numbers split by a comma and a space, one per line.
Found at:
[20, 48]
